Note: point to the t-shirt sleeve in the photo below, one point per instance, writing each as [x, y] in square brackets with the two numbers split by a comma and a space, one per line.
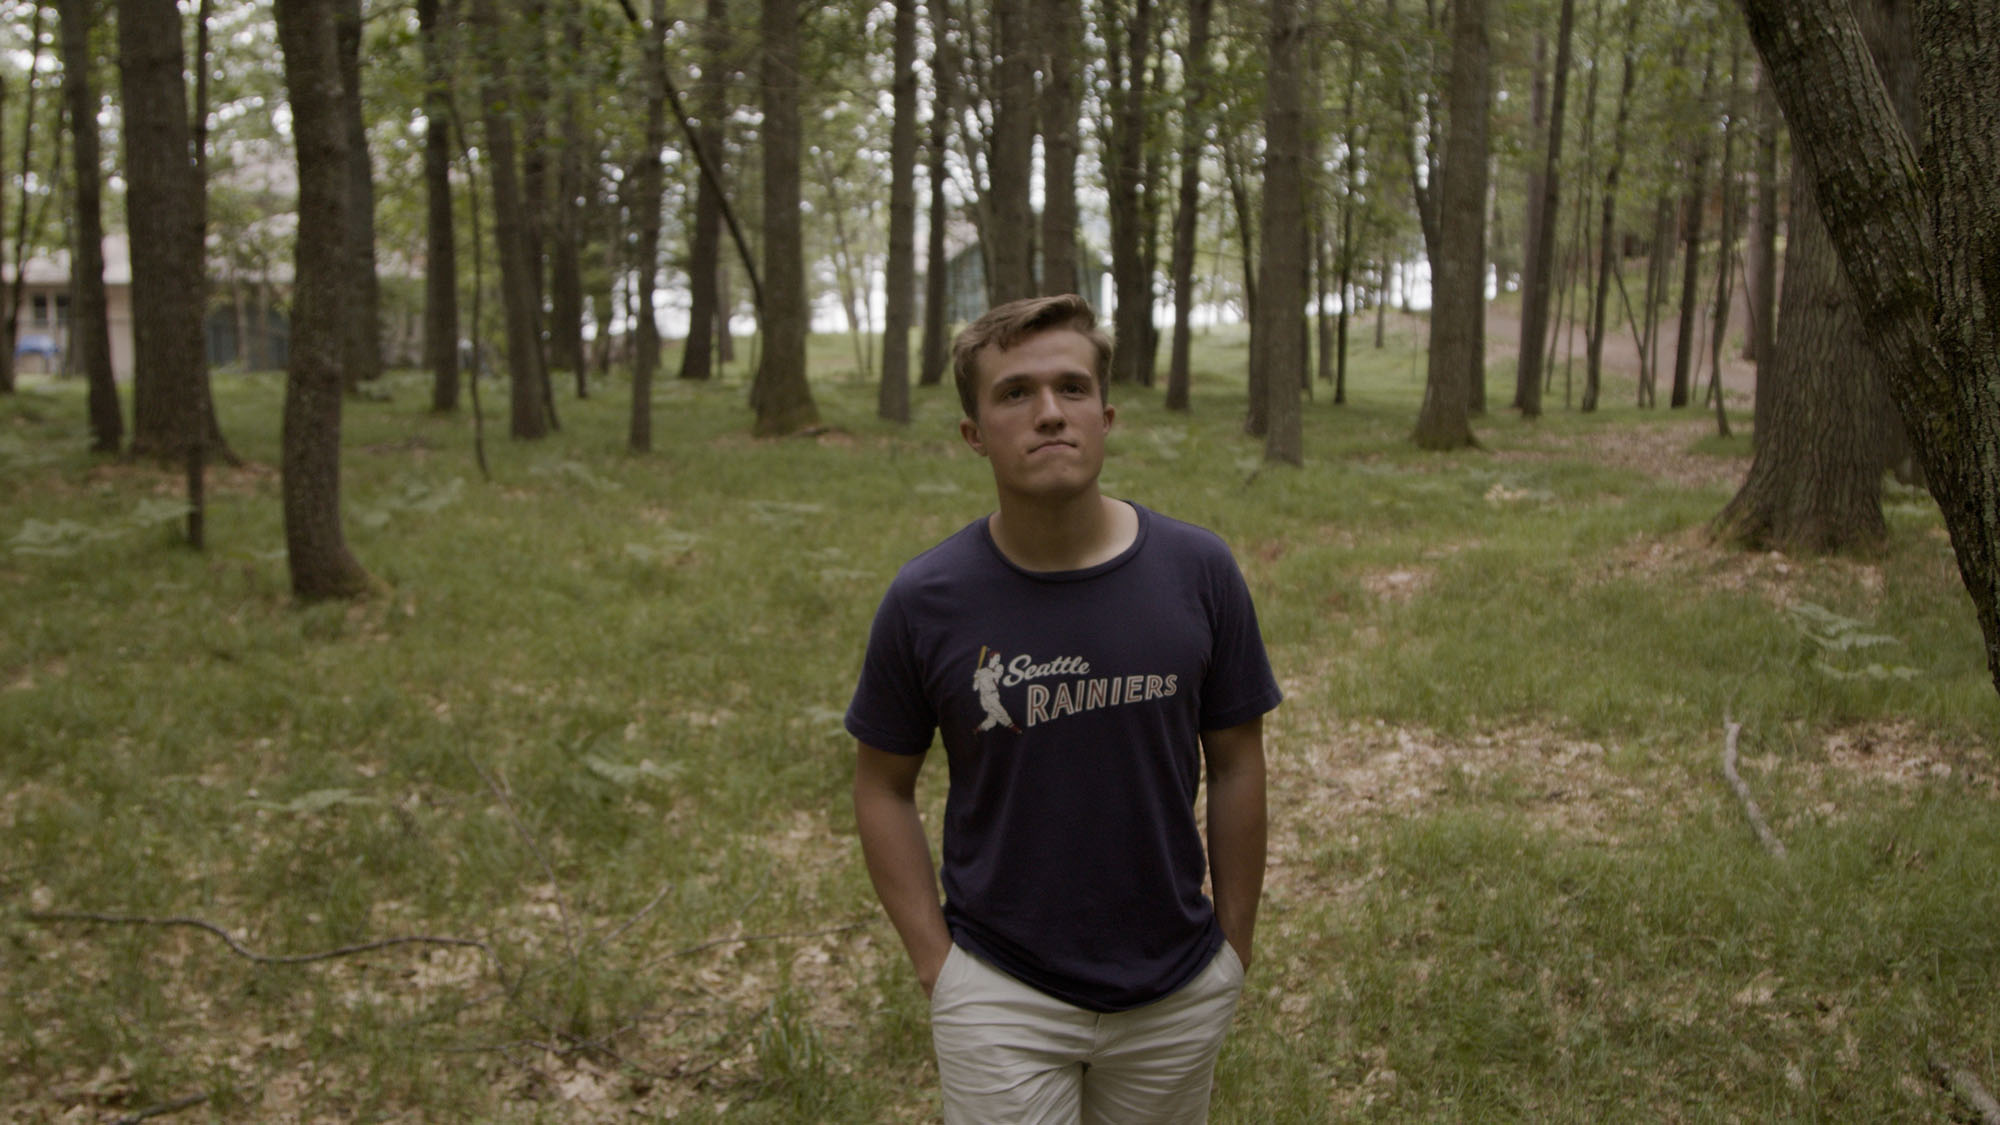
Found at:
[890, 710]
[1239, 685]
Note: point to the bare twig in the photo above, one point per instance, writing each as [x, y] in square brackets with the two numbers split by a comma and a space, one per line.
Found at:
[1966, 1085]
[541, 857]
[614, 935]
[246, 952]
[162, 1109]
[1764, 834]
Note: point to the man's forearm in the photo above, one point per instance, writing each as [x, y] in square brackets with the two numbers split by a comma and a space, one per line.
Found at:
[899, 864]
[1236, 841]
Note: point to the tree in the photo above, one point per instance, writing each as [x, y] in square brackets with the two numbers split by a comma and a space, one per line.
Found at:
[441, 261]
[364, 291]
[1280, 333]
[163, 216]
[90, 327]
[566, 214]
[1914, 238]
[1693, 207]
[779, 394]
[1062, 95]
[528, 415]
[893, 401]
[1010, 268]
[705, 239]
[1128, 38]
[1194, 114]
[1459, 283]
[315, 546]
[1607, 240]
[935, 350]
[23, 236]
[647, 190]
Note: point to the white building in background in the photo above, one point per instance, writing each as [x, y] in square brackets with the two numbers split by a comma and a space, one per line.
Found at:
[41, 341]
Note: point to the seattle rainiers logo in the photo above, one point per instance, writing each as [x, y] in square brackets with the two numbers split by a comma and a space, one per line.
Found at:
[1075, 690]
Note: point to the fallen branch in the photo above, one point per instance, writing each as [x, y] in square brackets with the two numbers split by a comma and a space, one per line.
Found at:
[246, 952]
[749, 938]
[1764, 834]
[1966, 1085]
[162, 1109]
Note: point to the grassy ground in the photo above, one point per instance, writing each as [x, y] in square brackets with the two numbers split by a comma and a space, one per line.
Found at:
[593, 723]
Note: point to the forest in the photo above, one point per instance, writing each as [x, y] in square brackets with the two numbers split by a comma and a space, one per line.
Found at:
[450, 452]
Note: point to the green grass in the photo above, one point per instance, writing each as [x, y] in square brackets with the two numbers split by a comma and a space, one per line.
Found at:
[592, 720]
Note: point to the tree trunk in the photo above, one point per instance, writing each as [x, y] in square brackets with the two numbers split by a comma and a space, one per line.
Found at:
[1010, 268]
[1540, 266]
[1607, 240]
[705, 240]
[648, 185]
[1194, 129]
[1280, 329]
[892, 400]
[1127, 39]
[1725, 255]
[1761, 261]
[315, 546]
[441, 269]
[780, 395]
[1915, 241]
[90, 326]
[1062, 96]
[364, 300]
[1694, 203]
[528, 416]
[935, 351]
[1458, 285]
[566, 229]
[163, 217]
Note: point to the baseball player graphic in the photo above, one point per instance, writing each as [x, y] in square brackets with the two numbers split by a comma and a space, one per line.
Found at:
[986, 681]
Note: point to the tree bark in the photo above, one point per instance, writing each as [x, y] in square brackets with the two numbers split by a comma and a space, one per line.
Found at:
[892, 400]
[648, 187]
[1062, 96]
[90, 326]
[364, 292]
[316, 548]
[1194, 130]
[705, 240]
[1458, 284]
[935, 349]
[170, 383]
[441, 267]
[779, 394]
[566, 212]
[528, 416]
[1916, 240]
[1694, 204]
[1127, 41]
[1010, 268]
[1280, 334]
[1607, 241]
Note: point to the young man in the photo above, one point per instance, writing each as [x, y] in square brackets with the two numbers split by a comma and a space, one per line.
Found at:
[1083, 657]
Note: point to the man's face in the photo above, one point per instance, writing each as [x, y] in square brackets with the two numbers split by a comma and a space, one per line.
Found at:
[1041, 415]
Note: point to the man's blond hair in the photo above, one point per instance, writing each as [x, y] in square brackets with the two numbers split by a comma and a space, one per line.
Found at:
[1004, 326]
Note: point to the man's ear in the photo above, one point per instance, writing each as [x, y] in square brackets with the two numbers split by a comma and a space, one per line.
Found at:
[969, 430]
[1110, 415]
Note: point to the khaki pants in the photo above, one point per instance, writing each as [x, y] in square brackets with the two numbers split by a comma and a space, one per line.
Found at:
[1010, 1055]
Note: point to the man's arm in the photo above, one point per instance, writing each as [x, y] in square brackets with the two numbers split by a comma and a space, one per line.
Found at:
[899, 857]
[1236, 828]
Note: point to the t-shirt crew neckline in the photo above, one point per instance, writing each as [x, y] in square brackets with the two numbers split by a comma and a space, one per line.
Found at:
[1107, 566]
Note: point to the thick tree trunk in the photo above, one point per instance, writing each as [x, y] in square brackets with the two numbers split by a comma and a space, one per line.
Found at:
[648, 185]
[892, 400]
[705, 240]
[780, 395]
[364, 294]
[1541, 267]
[1128, 36]
[1062, 96]
[1280, 335]
[528, 416]
[566, 227]
[1917, 241]
[1458, 283]
[441, 268]
[935, 351]
[1194, 129]
[315, 547]
[1010, 164]
[90, 327]
[170, 384]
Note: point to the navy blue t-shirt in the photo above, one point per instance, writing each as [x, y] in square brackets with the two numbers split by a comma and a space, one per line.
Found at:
[1071, 705]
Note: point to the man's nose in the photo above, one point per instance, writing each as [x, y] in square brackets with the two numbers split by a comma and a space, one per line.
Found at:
[1048, 409]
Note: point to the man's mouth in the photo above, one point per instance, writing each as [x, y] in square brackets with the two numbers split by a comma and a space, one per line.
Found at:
[1053, 445]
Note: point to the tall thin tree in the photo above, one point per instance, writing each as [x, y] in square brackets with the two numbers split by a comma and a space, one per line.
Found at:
[441, 260]
[1280, 350]
[892, 401]
[780, 397]
[1459, 287]
[90, 327]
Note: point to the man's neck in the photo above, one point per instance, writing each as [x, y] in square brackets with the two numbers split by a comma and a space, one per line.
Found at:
[1078, 532]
